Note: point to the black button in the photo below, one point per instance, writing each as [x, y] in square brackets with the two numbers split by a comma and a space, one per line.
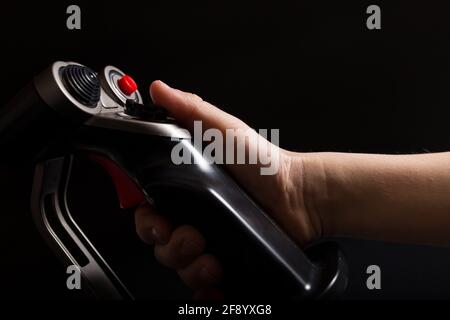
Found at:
[146, 112]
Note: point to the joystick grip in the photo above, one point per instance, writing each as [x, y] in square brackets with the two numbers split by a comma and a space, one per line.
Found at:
[258, 257]
[60, 114]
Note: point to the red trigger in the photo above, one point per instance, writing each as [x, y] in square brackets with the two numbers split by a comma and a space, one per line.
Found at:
[127, 191]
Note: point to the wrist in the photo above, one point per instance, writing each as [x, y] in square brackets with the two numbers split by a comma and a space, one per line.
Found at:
[305, 191]
[316, 193]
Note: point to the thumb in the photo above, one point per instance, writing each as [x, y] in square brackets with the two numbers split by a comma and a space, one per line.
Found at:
[187, 108]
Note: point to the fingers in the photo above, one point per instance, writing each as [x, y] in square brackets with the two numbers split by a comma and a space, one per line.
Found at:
[181, 249]
[187, 107]
[151, 227]
[203, 272]
[184, 246]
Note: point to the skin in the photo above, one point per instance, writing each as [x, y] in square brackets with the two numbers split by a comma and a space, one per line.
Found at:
[403, 198]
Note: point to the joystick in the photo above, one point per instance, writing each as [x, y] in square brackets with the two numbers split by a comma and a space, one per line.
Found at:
[82, 83]
[72, 111]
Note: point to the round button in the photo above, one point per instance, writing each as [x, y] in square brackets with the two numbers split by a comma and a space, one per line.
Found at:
[127, 85]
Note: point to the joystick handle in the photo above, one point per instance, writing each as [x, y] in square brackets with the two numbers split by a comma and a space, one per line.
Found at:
[64, 112]
[259, 258]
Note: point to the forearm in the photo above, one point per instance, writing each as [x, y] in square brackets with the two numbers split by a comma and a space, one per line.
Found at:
[387, 197]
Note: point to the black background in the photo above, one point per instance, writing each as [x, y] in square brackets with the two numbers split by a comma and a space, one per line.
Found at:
[310, 68]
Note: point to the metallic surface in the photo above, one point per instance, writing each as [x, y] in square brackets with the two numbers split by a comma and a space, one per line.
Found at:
[151, 167]
[109, 77]
[122, 122]
[57, 226]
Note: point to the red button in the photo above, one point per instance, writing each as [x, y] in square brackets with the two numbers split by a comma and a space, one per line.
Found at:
[127, 85]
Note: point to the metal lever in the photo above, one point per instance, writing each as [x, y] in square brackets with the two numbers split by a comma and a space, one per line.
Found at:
[57, 226]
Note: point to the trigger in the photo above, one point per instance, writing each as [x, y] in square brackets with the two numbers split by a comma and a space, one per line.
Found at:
[129, 194]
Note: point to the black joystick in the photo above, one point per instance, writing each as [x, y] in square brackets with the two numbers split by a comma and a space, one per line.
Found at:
[82, 83]
[70, 111]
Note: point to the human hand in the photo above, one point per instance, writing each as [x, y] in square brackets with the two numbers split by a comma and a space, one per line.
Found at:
[283, 195]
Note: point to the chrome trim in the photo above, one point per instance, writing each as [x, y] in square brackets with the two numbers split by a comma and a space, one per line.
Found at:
[123, 122]
[52, 90]
[109, 81]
